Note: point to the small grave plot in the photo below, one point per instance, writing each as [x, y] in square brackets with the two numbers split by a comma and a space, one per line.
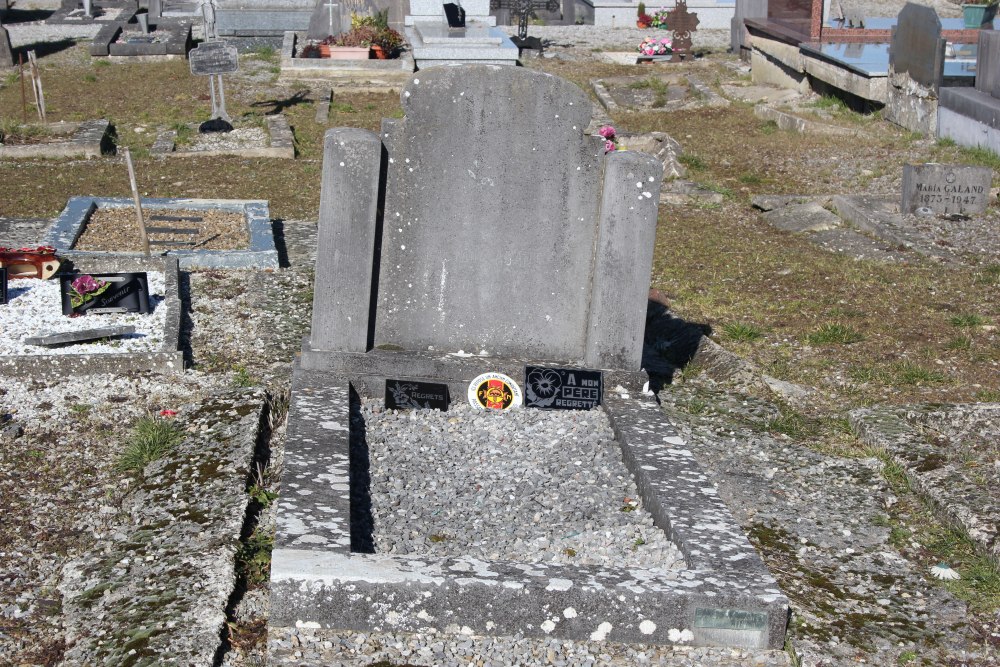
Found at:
[531, 486]
[115, 230]
[650, 92]
[34, 307]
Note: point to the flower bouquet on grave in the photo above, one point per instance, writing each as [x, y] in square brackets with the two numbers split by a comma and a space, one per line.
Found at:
[659, 20]
[86, 288]
[656, 46]
[643, 21]
[607, 133]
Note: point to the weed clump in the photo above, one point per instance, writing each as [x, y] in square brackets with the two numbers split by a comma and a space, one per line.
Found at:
[151, 438]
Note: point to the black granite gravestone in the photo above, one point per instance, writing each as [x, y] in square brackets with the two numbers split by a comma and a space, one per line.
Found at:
[455, 14]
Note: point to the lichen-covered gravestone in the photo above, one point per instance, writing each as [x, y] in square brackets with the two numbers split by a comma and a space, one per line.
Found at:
[481, 232]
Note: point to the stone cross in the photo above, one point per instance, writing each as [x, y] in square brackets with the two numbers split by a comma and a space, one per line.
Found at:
[523, 9]
[6, 53]
[683, 23]
[329, 6]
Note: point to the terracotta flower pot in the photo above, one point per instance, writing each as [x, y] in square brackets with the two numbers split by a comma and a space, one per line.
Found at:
[640, 24]
[349, 52]
[378, 53]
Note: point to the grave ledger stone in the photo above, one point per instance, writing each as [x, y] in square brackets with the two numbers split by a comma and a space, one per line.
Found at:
[506, 231]
[946, 189]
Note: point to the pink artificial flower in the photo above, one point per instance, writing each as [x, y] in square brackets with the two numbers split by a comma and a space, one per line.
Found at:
[168, 413]
[86, 284]
[607, 132]
[609, 146]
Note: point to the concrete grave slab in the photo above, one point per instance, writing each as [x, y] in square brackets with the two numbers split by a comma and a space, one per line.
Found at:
[261, 254]
[793, 122]
[168, 359]
[280, 143]
[169, 38]
[91, 138]
[800, 218]
[726, 597]
[78, 336]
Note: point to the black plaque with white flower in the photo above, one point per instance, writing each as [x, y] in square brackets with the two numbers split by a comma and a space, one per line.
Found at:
[104, 293]
[410, 394]
[562, 388]
[3, 285]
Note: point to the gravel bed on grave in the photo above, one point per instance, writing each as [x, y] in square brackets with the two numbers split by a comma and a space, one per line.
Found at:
[114, 229]
[238, 139]
[34, 308]
[526, 485]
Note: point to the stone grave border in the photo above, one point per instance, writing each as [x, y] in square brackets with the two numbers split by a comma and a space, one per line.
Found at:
[261, 255]
[317, 582]
[176, 46]
[168, 359]
[708, 97]
[91, 138]
[367, 75]
[282, 143]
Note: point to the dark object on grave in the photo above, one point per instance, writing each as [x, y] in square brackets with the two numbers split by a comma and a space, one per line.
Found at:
[40, 262]
[455, 14]
[528, 44]
[3, 285]
[684, 23]
[523, 10]
[406, 394]
[104, 293]
[551, 388]
[215, 125]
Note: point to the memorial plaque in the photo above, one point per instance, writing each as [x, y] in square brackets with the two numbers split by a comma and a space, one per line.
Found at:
[562, 388]
[3, 285]
[214, 58]
[494, 391]
[104, 293]
[945, 189]
[407, 394]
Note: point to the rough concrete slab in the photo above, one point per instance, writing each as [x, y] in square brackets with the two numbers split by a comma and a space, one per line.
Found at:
[316, 580]
[681, 193]
[935, 444]
[281, 143]
[159, 590]
[78, 336]
[90, 138]
[795, 123]
[261, 253]
[772, 202]
[168, 359]
[969, 131]
[874, 88]
[800, 218]
[759, 93]
[23, 232]
[367, 75]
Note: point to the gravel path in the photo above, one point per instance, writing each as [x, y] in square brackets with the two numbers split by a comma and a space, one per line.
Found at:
[525, 485]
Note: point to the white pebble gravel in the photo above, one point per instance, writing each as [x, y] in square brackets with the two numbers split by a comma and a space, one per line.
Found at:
[34, 308]
[526, 485]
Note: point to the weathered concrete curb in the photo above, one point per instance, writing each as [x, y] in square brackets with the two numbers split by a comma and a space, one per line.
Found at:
[91, 138]
[168, 359]
[262, 253]
[787, 121]
[725, 597]
[905, 435]
[156, 592]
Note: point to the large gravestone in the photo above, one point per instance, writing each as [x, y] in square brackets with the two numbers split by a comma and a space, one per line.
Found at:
[916, 66]
[496, 238]
[946, 188]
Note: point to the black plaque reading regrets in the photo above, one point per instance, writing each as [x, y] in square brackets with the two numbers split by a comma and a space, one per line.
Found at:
[562, 388]
[406, 394]
[124, 293]
[3, 285]
[214, 58]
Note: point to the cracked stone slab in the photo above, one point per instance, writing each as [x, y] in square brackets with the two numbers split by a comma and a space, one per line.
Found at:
[934, 444]
[156, 592]
[317, 581]
[801, 218]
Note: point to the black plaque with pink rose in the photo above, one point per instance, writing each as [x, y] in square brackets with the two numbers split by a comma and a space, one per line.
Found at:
[97, 293]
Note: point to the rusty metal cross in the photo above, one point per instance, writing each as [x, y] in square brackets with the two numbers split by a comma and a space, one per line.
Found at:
[683, 23]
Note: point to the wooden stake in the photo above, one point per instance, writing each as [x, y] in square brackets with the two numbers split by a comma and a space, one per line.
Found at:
[138, 205]
[36, 85]
[24, 99]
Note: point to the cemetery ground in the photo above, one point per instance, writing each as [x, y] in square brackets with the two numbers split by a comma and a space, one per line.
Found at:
[808, 337]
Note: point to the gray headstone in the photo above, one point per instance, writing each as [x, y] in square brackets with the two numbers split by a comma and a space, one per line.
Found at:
[6, 52]
[745, 9]
[143, 20]
[82, 336]
[917, 47]
[155, 10]
[988, 63]
[493, 211]
[946, 188]
[327, 20]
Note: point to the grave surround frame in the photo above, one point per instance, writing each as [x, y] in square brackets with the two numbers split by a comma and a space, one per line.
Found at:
[261, 254]
[594, 204]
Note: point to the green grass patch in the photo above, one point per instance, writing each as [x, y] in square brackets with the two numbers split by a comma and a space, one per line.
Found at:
[829, 102]
[834, 334]
[742, 332]
[150, 439]
[967, 320]
[692, 161]
[959, 343]
[990, 274]
[907, 372]
[981, 156]
[769, 127]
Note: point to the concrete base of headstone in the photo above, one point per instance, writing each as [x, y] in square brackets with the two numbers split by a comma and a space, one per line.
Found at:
[911, 105]
[361, 75]
[778, 64]
[260, 255]
[168, 359]
[872, 88]
[712, 14]
[174, 35]
[725, 597]
[91, 138]
[241, 18]
[478, 44]
[970, 118]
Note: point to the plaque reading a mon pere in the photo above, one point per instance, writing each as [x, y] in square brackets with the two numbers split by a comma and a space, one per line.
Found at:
[214, 58]
[407, 394]
[562, 388]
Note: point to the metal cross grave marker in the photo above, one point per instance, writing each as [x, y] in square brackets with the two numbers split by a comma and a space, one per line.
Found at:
[523, 9]
[683, 23]
[215, 59]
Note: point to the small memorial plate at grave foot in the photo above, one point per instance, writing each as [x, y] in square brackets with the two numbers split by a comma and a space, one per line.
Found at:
[562, 388]
[455, 14]
[104, 293]
[494, 391]
[406, 394]
[3, 285]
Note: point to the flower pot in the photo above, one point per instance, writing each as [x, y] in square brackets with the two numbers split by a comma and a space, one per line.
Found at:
[349, 52]
[976, 15]
[640, 24]
[378, 53]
